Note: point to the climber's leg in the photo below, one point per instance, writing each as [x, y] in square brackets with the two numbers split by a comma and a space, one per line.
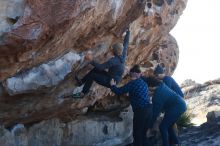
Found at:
[100, 77]
[173, 135]
[169, 119]
[139, 126]
[172, 131]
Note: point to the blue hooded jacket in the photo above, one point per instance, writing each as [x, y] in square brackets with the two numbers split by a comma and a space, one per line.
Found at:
[116, 64]
[165, 99]
[171, 83]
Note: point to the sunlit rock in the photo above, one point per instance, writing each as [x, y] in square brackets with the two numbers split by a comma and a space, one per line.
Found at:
[202, 99]
[37, 71]
[45, 75]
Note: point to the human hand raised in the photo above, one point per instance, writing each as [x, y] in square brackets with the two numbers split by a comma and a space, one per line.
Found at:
[113, 82]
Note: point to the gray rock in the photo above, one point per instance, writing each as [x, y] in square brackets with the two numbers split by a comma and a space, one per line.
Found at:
[93, 131]
[202, 99]
[6, 138]
[204, 135]
[213, 117]
[10, 10]
[45, 75]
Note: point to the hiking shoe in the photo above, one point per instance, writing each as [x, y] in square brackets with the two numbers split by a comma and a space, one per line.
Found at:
[78, 95]
[78, 81]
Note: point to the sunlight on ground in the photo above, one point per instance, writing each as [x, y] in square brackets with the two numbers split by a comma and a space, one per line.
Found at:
[198, 121]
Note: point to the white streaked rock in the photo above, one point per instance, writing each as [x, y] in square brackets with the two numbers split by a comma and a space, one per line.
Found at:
[47, 75]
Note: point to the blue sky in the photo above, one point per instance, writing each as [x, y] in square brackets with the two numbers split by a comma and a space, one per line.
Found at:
[198, 35]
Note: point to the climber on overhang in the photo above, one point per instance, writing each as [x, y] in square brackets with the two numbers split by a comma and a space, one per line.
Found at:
[105, 72]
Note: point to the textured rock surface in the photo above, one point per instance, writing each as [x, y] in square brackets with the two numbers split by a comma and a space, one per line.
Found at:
[10, 11]
[47, 75]
[96, 130]
[47, 30]
[206, 134]
[203, 98]
[42, 46]
[203, 102]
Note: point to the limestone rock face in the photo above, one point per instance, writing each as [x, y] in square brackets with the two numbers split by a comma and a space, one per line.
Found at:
[95, 130]
[204, 104]
[45, 30]
[202, 98]
[206, 134]
[10, 11]
[42, 45]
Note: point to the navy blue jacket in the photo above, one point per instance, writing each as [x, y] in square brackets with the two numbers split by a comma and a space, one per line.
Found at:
[138, 92]
[165, 99]
[171, 83]
[116, 64]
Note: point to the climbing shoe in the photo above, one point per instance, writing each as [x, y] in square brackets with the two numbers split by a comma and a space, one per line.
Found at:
[78, 95]
[78, 81]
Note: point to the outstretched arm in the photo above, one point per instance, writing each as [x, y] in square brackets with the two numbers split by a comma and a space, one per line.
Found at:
[121, 90]
[125, 45]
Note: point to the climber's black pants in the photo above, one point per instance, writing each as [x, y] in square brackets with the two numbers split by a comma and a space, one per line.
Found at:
[166, 127]
[100, 77]
[141, 120]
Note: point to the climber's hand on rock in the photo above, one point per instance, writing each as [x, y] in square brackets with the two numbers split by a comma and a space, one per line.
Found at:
[113, 82]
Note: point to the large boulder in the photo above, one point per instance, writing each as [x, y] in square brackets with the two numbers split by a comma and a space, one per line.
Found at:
[202, 99]
[205, 134]
[42, 45]
[115, 128]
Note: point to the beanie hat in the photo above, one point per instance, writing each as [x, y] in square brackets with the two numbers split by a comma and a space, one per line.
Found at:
[135, 69]
[153, 82]
[158, 70]
[117, 48]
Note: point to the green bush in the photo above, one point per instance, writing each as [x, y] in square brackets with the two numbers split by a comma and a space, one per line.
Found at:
[185, 120]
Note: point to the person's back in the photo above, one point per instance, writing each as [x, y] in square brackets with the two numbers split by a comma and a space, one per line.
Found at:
[168, 80]
[168, 99]
[165, 99]
[172, 84]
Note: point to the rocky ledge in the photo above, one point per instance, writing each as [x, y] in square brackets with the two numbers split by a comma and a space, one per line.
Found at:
[42, 44]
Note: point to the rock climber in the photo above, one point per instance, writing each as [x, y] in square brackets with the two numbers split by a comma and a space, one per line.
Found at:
[105, 72]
